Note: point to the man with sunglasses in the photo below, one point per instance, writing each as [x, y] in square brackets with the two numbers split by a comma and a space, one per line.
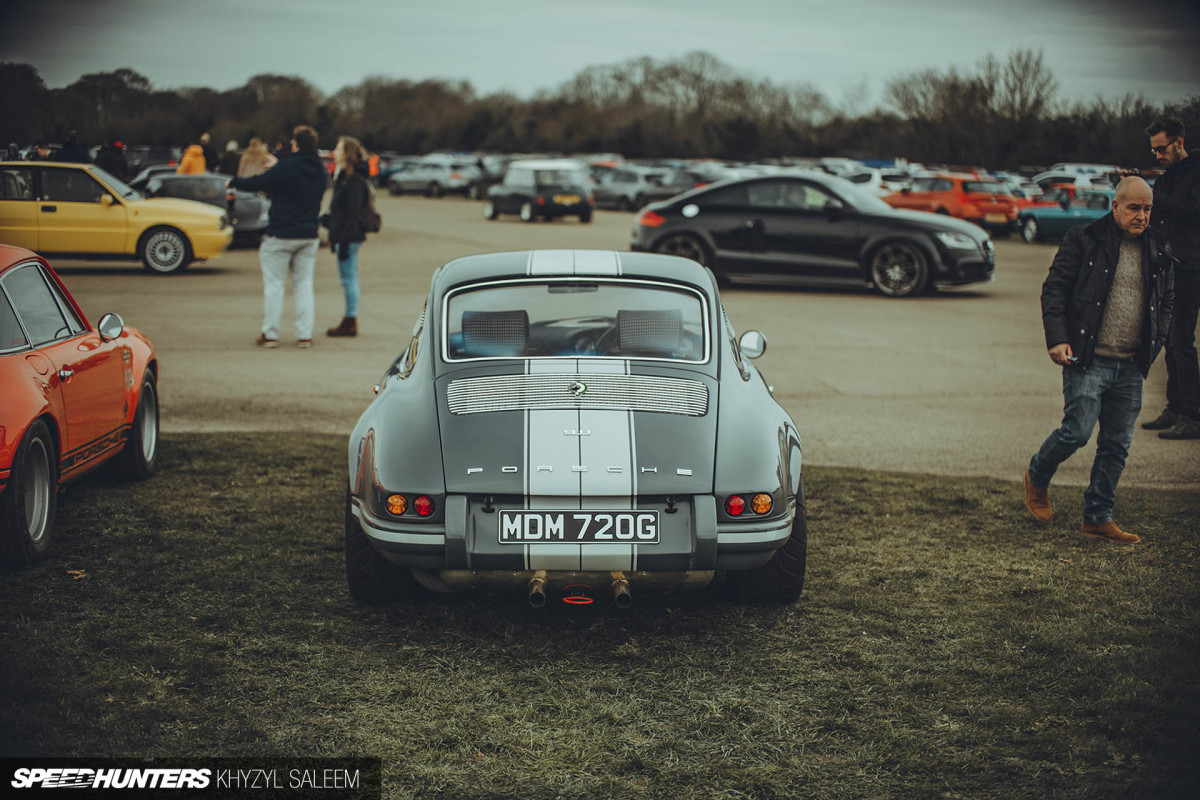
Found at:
[1177, 216]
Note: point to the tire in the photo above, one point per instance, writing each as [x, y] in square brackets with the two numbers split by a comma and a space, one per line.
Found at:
[489, 209]
[474, 192]
[139, 458]
[625, 204]
[899, 269]
[684, 245]
[434, 189]
[639, 202]
[370, 577]
[586, 216]
[165, 250]
[780, 580]
[527, 213]
[28, 503]
[395, 189]
[1029, 230]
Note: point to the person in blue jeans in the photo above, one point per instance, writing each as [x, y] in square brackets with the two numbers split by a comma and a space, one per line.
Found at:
[351, 197]
[1106, 310]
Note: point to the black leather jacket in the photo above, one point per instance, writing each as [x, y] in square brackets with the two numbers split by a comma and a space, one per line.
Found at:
[1075, 292]
[1177, 210]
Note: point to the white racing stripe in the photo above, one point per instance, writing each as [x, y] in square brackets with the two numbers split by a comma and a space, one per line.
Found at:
[597, 262]
[552, 262]
[546, 446]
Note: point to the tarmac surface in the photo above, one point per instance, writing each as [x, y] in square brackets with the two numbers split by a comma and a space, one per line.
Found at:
[957, 383]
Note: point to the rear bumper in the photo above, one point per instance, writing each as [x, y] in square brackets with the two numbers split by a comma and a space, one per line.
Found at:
[691, 540]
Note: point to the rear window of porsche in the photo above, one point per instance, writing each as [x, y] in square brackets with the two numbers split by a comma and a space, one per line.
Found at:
[575, 319]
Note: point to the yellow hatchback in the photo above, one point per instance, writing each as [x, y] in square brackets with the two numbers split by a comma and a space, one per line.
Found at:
[80, 210]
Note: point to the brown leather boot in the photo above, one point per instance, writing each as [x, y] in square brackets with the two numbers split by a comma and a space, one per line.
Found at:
[347, 327]
[1037, 501]
[1110, 531]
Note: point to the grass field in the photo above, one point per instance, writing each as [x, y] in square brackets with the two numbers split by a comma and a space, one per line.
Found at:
[944, 647]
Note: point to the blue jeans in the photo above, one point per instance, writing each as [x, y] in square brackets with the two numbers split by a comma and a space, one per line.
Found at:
[348, 274]
[1108, 392]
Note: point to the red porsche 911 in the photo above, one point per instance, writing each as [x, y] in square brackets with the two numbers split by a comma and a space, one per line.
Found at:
[72, 397]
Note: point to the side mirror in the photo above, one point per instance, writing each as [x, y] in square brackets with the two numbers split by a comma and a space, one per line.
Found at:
[110, 327]
[107, 199]
[834, 207]
[752, 344]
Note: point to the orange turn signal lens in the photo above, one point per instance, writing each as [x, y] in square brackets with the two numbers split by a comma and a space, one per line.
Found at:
[649, 219]
[397, 504]
[734, 506]
[761, 503]
[423, 506]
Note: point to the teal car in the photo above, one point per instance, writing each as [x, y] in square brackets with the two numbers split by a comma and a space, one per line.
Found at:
[1053, 221]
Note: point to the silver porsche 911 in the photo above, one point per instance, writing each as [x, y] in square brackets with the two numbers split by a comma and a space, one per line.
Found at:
[576, 422]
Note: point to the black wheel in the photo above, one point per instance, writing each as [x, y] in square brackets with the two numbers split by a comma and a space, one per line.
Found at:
[586, 216]
[139, 458]
[489, 209]
[527, 214]
[1029, 230]
[625, 204]
[434, 189]
[165, 250]
[899, 269]
[684, 245]
[28, 502]
[371, 577]
[474, 192]
[780, 580]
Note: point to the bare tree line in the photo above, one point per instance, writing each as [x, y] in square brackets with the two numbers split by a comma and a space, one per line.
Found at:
[1002, 113]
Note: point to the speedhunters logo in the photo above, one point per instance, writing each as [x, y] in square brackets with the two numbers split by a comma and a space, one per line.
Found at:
[83, 778]
[328, 778]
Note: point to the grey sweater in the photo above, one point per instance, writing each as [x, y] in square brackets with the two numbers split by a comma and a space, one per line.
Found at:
[1120, 333]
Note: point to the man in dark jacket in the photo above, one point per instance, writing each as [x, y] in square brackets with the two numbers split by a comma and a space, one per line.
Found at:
[212, 159]
[72, 150]
[1177, 216]
[111, 159]
[289, 245]
[1106, 307]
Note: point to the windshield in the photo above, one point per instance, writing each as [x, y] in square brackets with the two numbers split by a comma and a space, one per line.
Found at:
[561, 177]
[117, 185]
[571, 318]
[983, 187]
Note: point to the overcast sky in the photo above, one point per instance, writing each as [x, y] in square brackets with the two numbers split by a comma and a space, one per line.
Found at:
[1095, 48]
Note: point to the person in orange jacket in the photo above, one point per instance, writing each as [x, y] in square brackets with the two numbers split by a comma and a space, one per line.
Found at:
[192, 162]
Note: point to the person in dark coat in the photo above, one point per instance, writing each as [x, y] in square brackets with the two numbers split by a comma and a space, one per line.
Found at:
[289, 247]
[230, 159]
[1106, 309]
[111, 159]
[1177, 216]
[13, 153]
[72, 151]
[351, 197]
[212, 159]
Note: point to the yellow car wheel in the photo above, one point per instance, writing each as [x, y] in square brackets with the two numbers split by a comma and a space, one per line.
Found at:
[165, 250]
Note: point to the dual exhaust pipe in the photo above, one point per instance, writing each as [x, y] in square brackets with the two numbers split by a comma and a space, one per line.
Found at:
[579, 594]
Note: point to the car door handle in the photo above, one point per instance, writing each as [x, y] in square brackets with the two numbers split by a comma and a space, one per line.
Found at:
[65, 374]
[50, 208]
[754, 224]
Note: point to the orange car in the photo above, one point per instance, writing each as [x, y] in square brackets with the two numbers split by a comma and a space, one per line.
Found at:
[75, 396]
[980, 200]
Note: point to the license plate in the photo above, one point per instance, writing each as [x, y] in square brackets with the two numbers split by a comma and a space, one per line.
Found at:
[578, 527]
[566, 199]
[995, 218]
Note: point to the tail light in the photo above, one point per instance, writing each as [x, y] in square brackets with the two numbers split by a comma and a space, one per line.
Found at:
[455, 176]
[649, 219]
[700, 185]
[398, 505]
[541, 200]
[423, 506]
[760, 503]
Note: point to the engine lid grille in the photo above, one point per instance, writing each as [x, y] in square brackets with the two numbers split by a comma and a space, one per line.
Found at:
[651, 393]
